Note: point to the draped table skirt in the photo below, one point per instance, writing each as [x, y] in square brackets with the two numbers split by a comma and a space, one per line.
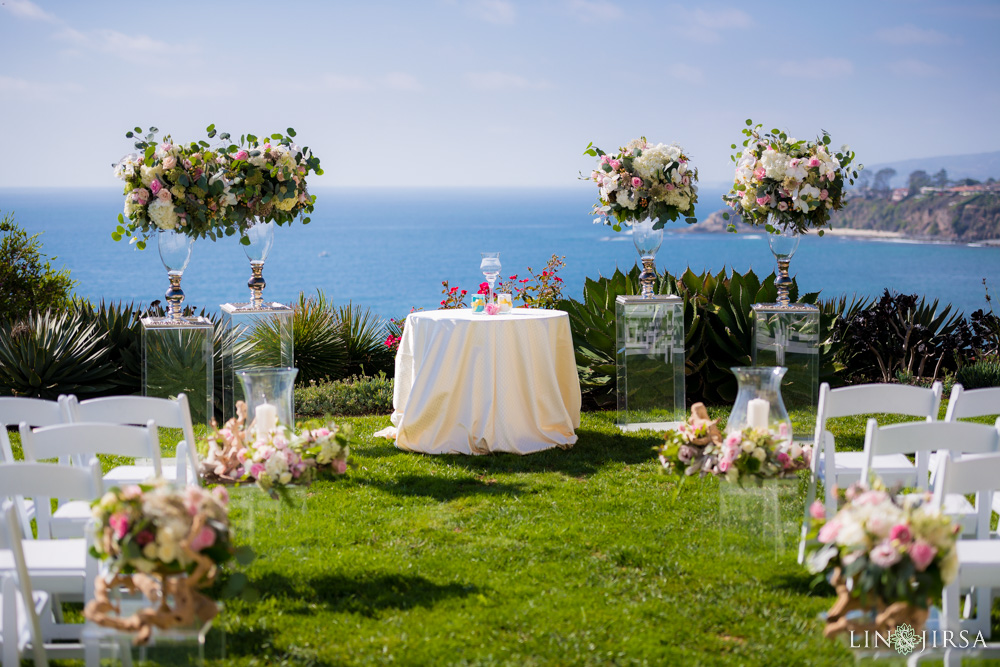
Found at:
[469, 383]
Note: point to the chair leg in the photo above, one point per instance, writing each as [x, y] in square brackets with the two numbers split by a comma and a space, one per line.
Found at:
[806, 519]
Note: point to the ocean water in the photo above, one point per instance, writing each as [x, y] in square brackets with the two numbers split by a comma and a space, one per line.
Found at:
[390, 249]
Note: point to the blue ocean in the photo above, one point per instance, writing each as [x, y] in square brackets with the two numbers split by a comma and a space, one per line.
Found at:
[389, 249]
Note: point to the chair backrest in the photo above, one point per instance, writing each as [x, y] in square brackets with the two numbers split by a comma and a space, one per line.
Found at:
[965, 403]
[34, 411]
[10, 539]
[864, 399]
[90, 439]
[167, 413]
[922, 438]
[970, 474]
[45, 481]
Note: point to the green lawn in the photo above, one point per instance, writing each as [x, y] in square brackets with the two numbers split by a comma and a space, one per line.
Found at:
[579, 557]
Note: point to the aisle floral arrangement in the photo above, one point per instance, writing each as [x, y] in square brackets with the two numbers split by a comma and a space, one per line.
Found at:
[788, 184]
[885, 552]
[697, 447]
[643, 180]
[268, 177]
[170, 186]
[161, 542]
[273, 456]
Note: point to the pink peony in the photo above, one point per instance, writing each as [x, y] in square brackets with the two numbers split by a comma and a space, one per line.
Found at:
[902, 533]
[119, 524]
[817, 510]
[492, 309]
[203, 540]
[884, 555]
[828, 533]
[241, 155]
[922, 554]
[144, 537]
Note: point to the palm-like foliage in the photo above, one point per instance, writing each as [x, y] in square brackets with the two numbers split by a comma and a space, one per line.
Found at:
[122, 323]
[364, 335]
[53, 353]
[320, 350]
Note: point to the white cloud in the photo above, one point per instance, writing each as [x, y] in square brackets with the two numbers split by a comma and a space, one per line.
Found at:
[689, 73]
[914, 67]
[344, 83]
[819, 68]
[595, 11]
[351, 83]
[111, 41]
[20, 89]
[492, 81]
[492, 11]
[706, 25]
[909, 34]
[401, 81]
[193, 90]
[26, 9]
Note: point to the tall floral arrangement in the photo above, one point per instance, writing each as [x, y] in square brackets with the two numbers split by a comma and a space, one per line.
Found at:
[788, 184]
[172, 186]
[643, 180]
[269, 177]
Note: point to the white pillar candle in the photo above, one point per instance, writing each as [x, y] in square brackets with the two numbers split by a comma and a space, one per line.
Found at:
[267, 417]
[758, 411]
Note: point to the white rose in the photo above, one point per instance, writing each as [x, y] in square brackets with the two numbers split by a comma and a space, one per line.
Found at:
[759, 454]
[162, 214]
[747, 446]
[852, 533]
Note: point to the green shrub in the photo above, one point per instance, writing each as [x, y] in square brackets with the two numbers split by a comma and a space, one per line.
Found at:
[52, 353]
[979, 374]
[357, 395]
[28, 283]
[320, 350]
[364, 335]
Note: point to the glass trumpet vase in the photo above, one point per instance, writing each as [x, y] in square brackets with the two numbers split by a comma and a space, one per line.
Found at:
[261, 236]
[758, 401]
[490, 266]
[175, 253]
[647, 241]
[269, 396]
[783, 243]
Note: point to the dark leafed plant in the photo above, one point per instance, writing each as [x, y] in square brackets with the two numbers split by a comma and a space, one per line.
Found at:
[28, 283]
[54, 353]
[364, 335]
[122, 324]
[320, 350]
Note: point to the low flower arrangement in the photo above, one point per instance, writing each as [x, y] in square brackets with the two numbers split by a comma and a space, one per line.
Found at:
[275, 457]
[698, 448]
[269, 177]
[162, 542]
[172, 186]
[788, 184]
[643, 181]
[882, 551]
[540, 290]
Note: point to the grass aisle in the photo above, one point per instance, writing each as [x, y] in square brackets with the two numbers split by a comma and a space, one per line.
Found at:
[579, 557]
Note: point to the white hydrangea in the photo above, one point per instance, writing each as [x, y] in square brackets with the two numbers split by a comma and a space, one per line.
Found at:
[651, 163]
[148, 174]
[277, 467]
[774, 163]
[162, 214]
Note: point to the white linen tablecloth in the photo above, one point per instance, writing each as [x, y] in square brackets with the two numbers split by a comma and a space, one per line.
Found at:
[471, 383]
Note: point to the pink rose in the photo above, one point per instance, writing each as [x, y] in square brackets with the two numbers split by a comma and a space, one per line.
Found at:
[817, 510]
[814, 162]
[203, 540]
[872, 498]
[155, 186]
[140, 195]
[119, 524]
[784, 459]
[885, 555]
[636, 182]
[759, 173]
[256, 470]
[605, 159]
[222, 494]
[131, 492]
[922, 554]
[492, 309]
[186, 163]
[724, 465]
[169, 162]
[144, 537]
[763, 201]
[824, 194]
[828, 533]
[241, 155]
[902, 533]
[686, 180]
[164, 195]
[782, 206]
[669, 186]
[339, 466]
[615, 164]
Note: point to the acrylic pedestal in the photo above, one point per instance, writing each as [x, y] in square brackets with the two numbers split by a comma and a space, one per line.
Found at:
[650, 362]
[177, 356]
[762, 518]
[178, 647]
[239, 353]
[789, 336]
[263, 522]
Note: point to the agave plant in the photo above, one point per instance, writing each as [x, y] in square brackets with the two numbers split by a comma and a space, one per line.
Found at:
[122, 323]
[53, 353]
[320, 350]
[364, 335]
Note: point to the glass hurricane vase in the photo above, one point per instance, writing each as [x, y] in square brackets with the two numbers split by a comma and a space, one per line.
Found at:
[647, 241]
[261, 236]
[175, 253]
[758, 401]
[269, 396]
[783, 243]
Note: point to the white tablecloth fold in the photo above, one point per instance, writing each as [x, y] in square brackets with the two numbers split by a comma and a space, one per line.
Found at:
[471, 383]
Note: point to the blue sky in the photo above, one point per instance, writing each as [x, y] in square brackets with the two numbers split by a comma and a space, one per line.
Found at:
[490, 92]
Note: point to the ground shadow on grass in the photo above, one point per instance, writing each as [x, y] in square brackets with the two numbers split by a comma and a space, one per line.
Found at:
[351, 595]
[443, 489]
[800, 582]
[592, 451]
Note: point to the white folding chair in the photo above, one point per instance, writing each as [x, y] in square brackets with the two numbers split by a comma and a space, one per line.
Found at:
[965, 403]
[36, 412]
[62, 568]
[167, 413]
[20, 608]
[842, 468]
[75, 440]
[978, 559]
